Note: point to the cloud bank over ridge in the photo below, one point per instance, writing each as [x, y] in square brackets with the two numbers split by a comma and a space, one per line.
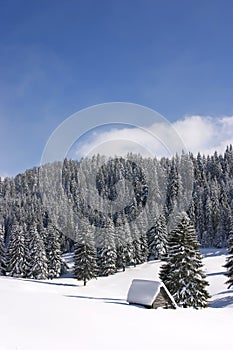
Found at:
[198, 133]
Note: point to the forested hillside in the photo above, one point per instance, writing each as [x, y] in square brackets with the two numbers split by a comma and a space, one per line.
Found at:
[121, 208]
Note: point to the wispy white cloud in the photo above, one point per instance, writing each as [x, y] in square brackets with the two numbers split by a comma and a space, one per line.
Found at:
[198, 133]
[206, 134]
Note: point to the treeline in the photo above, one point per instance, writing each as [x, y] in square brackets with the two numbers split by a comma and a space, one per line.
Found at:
[119, 210]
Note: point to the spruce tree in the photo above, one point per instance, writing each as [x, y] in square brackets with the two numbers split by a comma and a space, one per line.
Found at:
[38, 259]
[229, 263]
[120, 247]
[53, 252]
[157, 239]
[123, 242]
[85, 267]
[2, 253]
[106, 252]
[136, 244]
[142, 225]
[182, 274]
[17, 264]
[173, 187]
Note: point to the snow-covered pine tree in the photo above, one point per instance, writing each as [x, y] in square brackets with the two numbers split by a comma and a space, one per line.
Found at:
[225, 213]
[200, 216]
[157, 239]
[136, 244]
[2, 253]
[17, 264]
[182, 274]
[85, 267]
[123, 242]
[173, 186]
[38, 259]
[120, 246]
[142, 226]
[53, 252]
[27, 250]
[208, 234]
[106, 251]
[128, 246]
[217, 231]
[229, 263]
[210, 207]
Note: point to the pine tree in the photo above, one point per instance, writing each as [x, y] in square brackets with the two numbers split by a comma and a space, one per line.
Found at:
[173, 187]
[38, 261]
[17, 264]
[136, 244]
[157, 239]
[142, 225]
[120, 246]
[106, 252]
[85, 267]
[229, 263]
[182, 274]
[2, 253]
[208, 234]
[123, 242]
[27, 251]
[119, 189]
[53, 252]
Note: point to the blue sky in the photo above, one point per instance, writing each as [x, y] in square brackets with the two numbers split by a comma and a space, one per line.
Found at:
[57, 57]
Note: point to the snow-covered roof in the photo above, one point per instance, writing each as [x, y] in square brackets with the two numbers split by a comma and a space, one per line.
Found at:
[144, 292]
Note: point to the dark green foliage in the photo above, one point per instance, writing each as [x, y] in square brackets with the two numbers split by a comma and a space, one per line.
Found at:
[85, 267]
[38, 259]
[2, 253]
[137, 258]
[106, 261]
[182, 274]
[173, 188]
[85, 262]
[17, 263]
[229, 263]
[106, 252]
[121, 258]
[143, 247]
[157, 239]
[53, 252]
[123, 243]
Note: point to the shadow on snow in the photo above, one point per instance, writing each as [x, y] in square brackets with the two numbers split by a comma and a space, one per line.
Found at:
[211, 252]
[224, 301]
[48, 283]
[216, 273]
[106, 300]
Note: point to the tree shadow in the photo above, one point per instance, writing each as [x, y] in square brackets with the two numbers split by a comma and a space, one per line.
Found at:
[107, 300]
[222, 302]
[95, 298]
[226, 292]
[215, 273]
[211, 252]
[48, 283]
[68, 274]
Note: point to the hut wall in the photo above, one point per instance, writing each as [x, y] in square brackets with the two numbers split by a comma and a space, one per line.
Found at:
[163, 300]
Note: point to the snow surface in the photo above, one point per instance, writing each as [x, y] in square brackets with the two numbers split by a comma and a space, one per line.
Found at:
[63, 314]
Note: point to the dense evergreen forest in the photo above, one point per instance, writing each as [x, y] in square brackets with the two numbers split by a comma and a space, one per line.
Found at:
[114, 212]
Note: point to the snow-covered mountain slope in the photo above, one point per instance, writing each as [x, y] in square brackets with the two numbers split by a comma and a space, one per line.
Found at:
[62, 314]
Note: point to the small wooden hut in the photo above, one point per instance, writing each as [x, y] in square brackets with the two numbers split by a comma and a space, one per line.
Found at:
[150, 294]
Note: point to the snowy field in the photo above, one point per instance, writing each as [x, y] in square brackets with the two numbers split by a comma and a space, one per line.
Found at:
[62, 314]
